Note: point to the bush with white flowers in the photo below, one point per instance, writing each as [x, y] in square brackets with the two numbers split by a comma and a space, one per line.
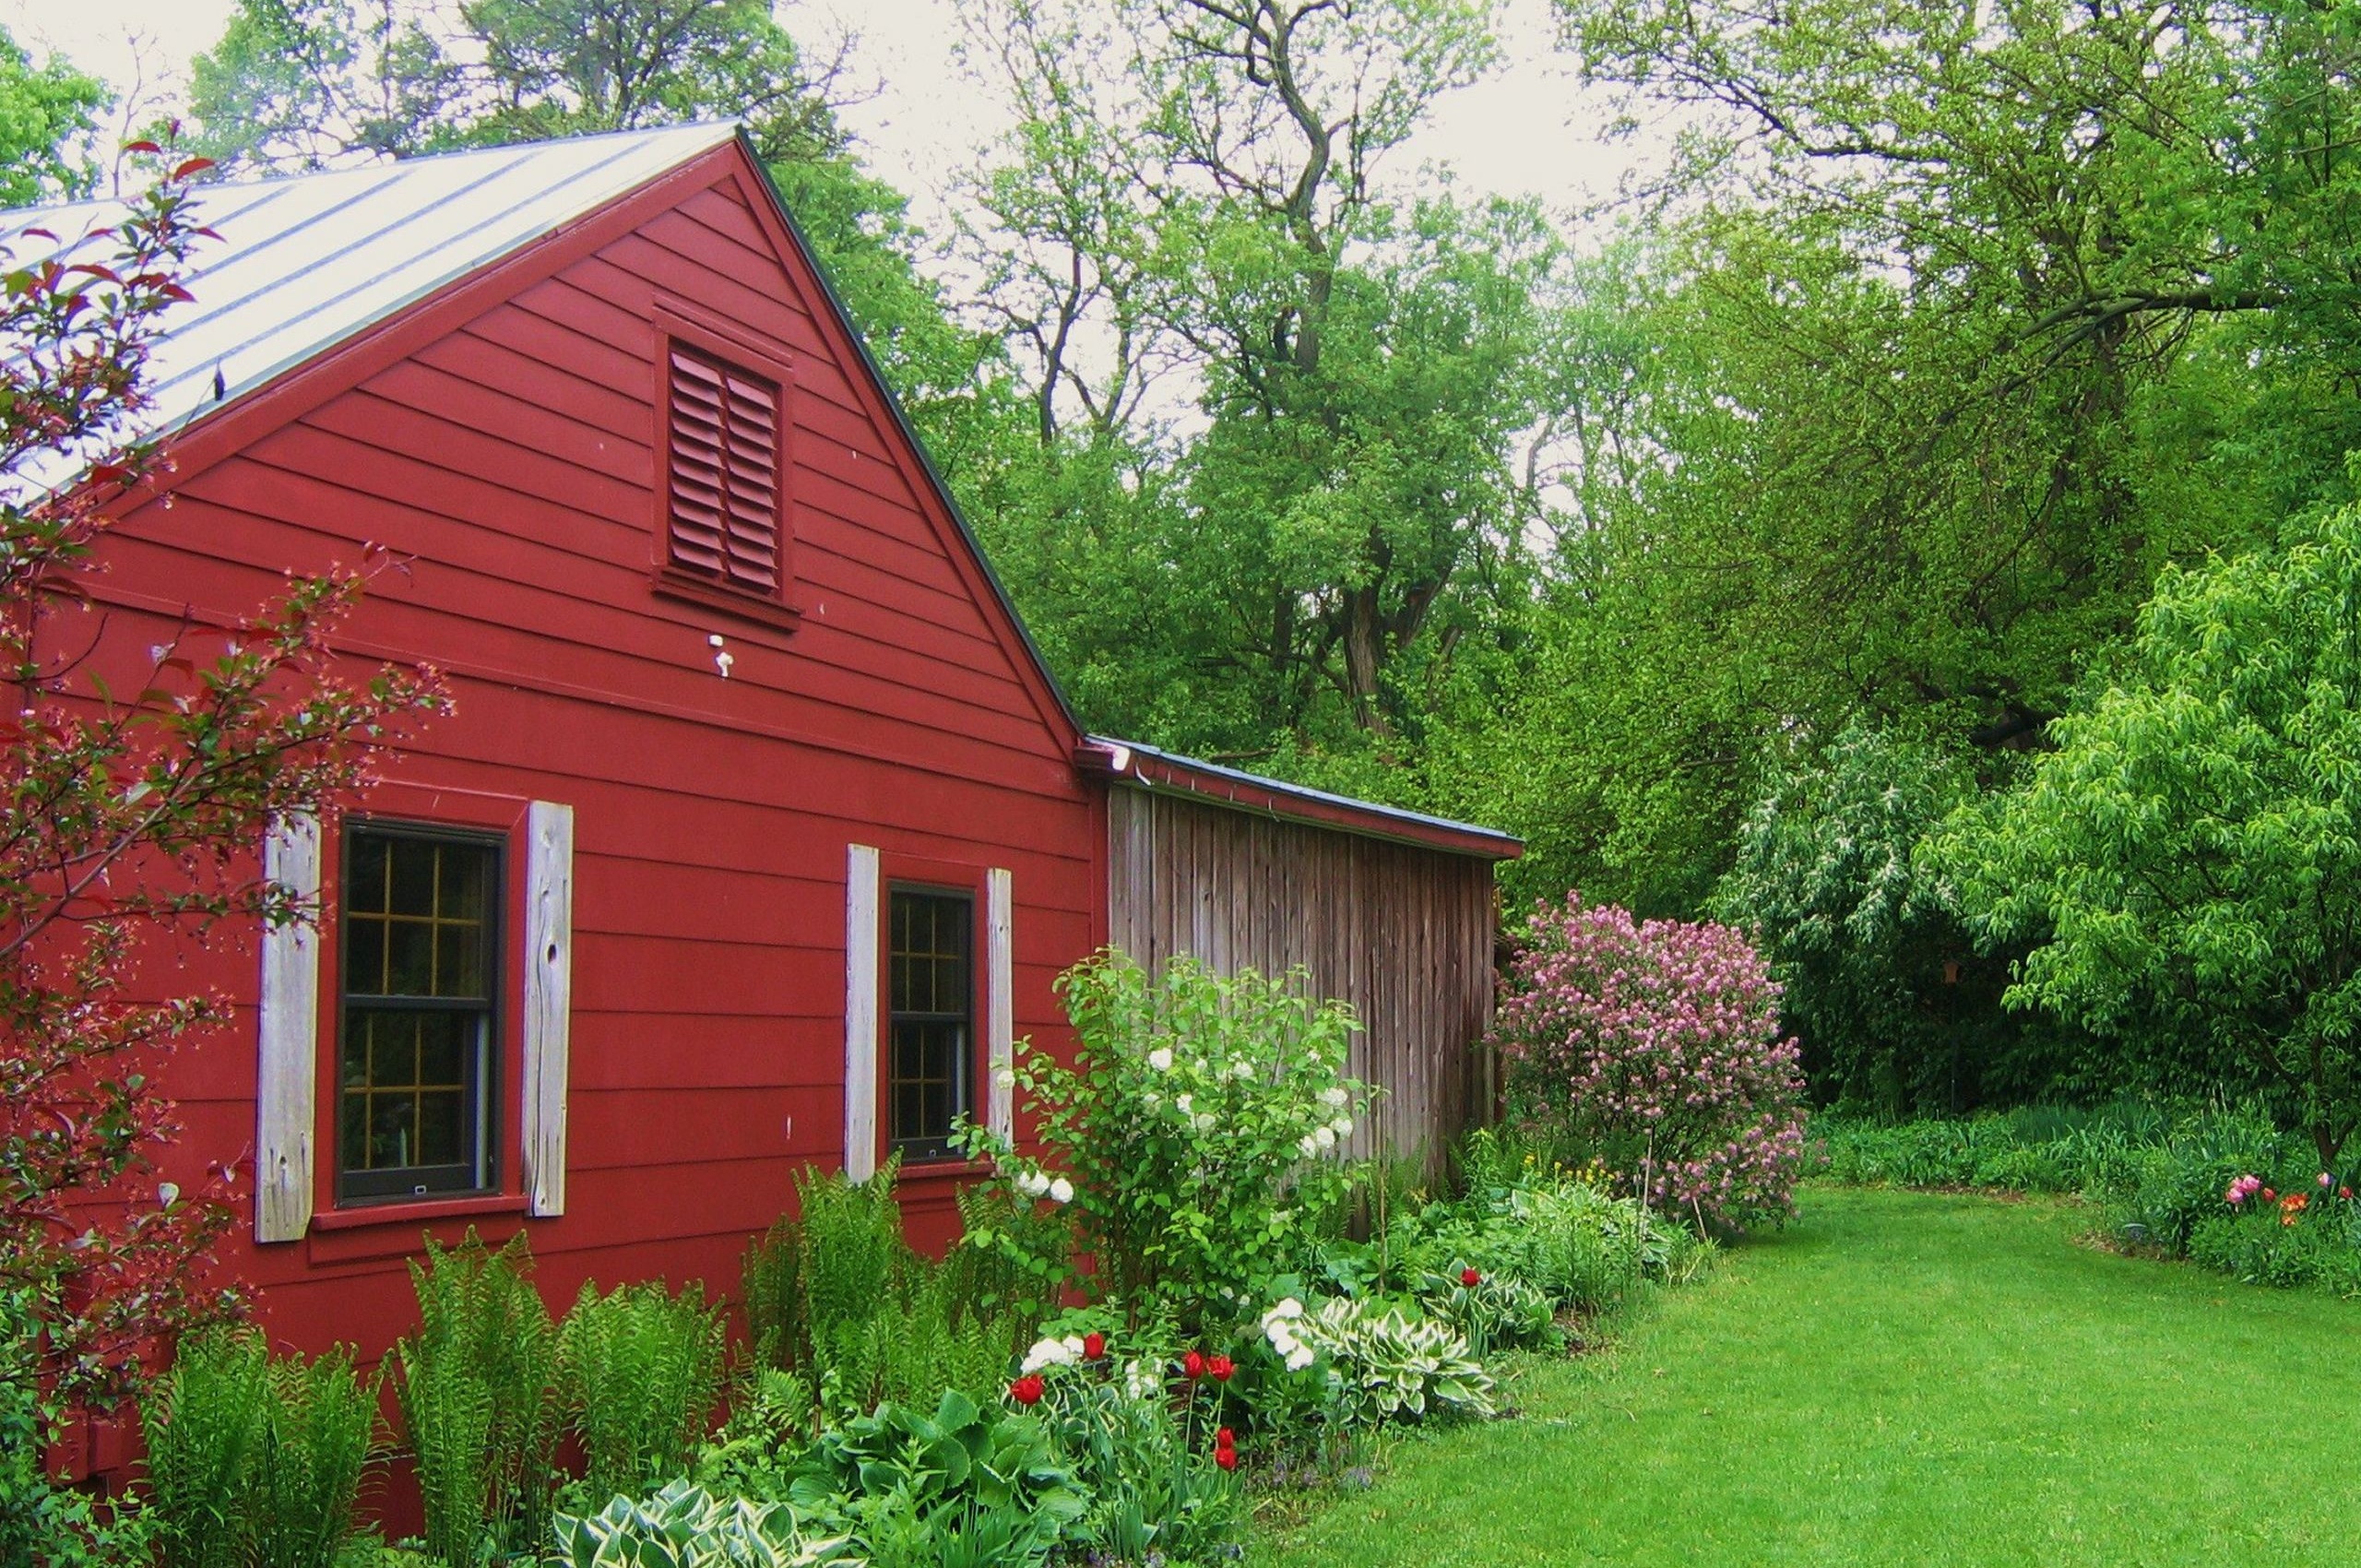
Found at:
[1195, 1133]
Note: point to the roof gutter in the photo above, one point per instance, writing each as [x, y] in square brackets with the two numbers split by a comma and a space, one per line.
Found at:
[1147, 767]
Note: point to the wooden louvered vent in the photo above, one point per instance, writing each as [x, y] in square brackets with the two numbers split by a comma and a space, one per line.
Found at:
[725, 512]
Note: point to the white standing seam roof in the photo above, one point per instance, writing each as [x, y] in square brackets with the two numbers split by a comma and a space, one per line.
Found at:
[306, 263]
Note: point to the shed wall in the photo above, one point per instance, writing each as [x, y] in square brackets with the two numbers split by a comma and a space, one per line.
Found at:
[1404, 934]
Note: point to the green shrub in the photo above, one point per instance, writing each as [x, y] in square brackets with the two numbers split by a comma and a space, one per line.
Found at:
[1195, 1130]
[478, 1399]
[1497, 1311]
[253, 1463]
[900, 1482]
[44, 1521]
[641, 1372]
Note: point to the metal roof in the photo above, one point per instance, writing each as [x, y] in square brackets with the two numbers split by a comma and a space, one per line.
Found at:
[305, 263]
[1253, 792]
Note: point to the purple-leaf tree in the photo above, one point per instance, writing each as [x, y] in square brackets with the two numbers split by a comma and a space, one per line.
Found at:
[1655, 1045]
[130, 812]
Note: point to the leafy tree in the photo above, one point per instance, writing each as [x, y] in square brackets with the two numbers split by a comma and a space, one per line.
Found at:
[1964, 321]
[1877, 975]
[129, 811]
[2188, 861]
[47, 111]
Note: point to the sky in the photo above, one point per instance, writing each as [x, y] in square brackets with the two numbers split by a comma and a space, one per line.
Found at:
[1528, 130]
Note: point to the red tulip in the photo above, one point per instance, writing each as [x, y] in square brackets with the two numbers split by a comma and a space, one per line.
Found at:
[2345, 1193]
[1220, 1366]
[1192, 1366]
[1094, 1346]
[2270, 1196]
[1224, 1438]
[1027, 1390]
[1225, 1457]
[1470, 1278]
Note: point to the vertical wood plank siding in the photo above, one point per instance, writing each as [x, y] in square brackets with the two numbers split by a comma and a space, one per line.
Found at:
[1401, 934]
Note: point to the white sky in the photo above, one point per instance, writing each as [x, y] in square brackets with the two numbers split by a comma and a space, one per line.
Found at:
[1526, 130]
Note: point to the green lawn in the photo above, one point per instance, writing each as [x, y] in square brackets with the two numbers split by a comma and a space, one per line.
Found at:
[1903, 1378]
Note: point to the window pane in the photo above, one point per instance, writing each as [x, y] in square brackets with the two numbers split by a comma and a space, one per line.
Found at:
[420, 914]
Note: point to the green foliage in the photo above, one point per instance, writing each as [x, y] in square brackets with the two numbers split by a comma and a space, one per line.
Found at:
[1150, 1491]
[837, 1293]
[1384, 1364]
[1197, 1123]
[900, 1482]
[256, 1463]
[46, 112]
[640, 1371]
[2187, 860]
[684, 1526]
[45, 1522]
[1877, 977]
[479, 1399]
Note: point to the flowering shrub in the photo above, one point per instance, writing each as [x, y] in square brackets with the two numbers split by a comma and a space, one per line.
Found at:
[1193, 1136]
[1656, 1045]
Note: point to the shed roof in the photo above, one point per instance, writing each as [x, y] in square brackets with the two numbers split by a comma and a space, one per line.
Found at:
[1150, 767]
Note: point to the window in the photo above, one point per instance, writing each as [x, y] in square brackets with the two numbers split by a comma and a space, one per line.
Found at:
[724, 511]
[930, 1057]
[419, 977]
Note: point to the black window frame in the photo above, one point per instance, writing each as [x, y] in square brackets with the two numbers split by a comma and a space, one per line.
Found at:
[928, 1145]
[470, 1178]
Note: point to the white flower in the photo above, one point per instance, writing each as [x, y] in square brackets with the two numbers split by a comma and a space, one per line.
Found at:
[1138, 1381]
[1052, 1353]
[1281, 1338]
[1032, 1183]
[1300, 1358]
[1289, 1307]
[1183, 1103]
[1310, 1147]
[1342, 1126]
[1205, 1122]
[1061, 1191]
[1073, 1342]
[1241, 1069]
[1324, 1137]
[1334, 1098]
[1152, 1100]
[1004, 1077]
[1160, 1059]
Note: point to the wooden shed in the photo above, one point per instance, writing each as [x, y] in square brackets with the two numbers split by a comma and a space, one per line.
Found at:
[759, 831]
[1390, 911]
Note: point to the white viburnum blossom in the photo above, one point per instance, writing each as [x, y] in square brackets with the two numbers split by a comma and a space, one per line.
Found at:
[1241, 1069]
[1334, 1098]
[1310, 1146]
[1139, 1382]
[1326, 1137]
[1073, 1342]
[1205, 1122]
[1032, 1183]
[1061, 1191]
[1342, 1126]
[1004, 1077]
[1160, 1059]
[1184, 1103]
[1051, 1353]
[1300, 1358]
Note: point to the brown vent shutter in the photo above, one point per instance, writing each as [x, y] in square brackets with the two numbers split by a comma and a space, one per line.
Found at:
[725, 472]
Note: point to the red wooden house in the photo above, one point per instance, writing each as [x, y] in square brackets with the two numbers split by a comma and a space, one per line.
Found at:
[759, 830]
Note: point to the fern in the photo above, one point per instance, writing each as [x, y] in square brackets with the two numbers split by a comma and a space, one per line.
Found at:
[642, 1373]
[478, 1399]
[203, 1421]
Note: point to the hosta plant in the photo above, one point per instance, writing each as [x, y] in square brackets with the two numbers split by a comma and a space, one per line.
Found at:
[1492, 1311]
[1385, 1365]
[685, 1527]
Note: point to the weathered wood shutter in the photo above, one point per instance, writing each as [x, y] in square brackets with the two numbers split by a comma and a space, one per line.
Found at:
[1000, 1003]
[287, 1032]
[860, 1012]
[548, 999]
[725, 472]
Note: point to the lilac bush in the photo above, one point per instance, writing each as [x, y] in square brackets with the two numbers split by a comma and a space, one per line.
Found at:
[1656, 1045]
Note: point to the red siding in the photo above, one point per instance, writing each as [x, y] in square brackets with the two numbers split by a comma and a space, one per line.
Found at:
[504, 447]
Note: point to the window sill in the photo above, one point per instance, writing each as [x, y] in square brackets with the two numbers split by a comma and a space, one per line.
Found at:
[413, 1211]
[667, 583]
[951, 1167]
